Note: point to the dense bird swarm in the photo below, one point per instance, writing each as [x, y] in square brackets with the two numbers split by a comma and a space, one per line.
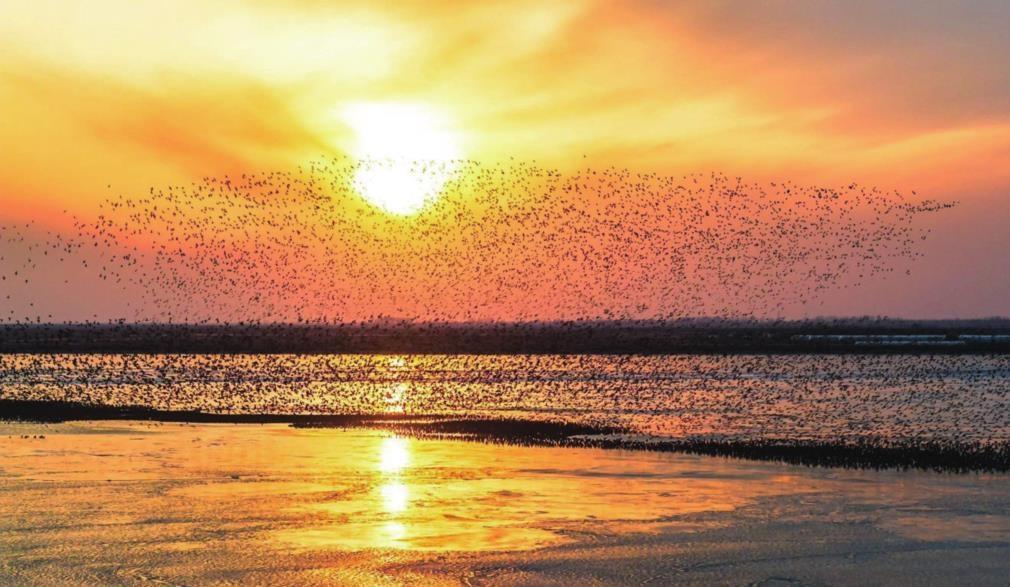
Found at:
[520, 243]
[510, 241]
[928, 411]
[756, 397]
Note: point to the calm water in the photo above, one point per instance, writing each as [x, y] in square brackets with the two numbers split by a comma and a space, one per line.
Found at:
[124, 503]
[790, 397]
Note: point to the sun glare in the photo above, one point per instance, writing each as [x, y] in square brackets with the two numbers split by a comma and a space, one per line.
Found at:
[406, 153]
[394, 454]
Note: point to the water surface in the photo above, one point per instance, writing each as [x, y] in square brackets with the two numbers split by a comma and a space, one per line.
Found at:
[792, 397]
[129, 503]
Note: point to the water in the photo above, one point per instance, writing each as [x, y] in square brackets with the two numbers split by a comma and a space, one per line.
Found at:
[113, 503]
[792, 397]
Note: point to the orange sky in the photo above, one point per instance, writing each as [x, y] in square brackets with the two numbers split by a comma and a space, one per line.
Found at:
[903, 94]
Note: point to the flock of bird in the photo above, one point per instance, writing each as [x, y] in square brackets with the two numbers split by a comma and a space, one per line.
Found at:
[509, 241]
[505, 242]
[958, 399]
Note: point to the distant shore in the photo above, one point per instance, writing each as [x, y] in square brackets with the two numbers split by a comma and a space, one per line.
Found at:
[573, 337]
[871, 453]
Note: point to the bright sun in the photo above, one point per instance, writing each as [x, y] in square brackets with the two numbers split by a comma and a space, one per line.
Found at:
[406, 153]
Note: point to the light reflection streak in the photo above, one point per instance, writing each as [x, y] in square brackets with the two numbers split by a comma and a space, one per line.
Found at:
[394, 493]
[395, 399]
[394, 454]
[395, 496]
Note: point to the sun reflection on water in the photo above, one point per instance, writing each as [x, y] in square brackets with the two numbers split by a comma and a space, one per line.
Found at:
[395, 399]
[394, 459]
[395, 495]
[425, 495]
[393, 534]
[394, 454]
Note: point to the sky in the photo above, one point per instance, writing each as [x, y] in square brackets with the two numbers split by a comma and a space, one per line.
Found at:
[114, 97]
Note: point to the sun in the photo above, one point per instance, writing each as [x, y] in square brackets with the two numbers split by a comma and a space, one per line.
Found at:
[406, 153]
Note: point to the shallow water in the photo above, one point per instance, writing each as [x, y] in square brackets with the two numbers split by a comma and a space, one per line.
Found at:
[125, 503]
[792, 397]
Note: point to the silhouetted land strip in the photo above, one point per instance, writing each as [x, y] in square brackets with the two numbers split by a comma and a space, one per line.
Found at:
[577, 337]
[47, 412]
[934, 455]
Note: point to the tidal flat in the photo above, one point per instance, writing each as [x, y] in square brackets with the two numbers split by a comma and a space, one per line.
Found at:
[118, 502]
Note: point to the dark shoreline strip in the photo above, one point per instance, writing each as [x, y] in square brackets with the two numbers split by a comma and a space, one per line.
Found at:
[929, 455]
[691, 337]
[55, 412]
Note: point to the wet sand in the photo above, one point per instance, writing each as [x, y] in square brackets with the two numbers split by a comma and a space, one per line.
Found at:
[171, 503]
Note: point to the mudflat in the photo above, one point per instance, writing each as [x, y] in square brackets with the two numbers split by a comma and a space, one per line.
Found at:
[174, 503]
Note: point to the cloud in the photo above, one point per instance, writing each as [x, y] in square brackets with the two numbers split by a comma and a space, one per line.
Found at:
[76, 132]
[885, 67]
[133, 94]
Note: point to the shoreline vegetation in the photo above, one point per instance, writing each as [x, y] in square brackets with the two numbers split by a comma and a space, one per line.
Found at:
[869, 453]
[686, 336]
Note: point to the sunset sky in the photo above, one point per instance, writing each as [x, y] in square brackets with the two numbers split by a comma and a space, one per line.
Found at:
[113, 97]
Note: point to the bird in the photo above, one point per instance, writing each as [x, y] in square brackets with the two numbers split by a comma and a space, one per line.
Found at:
[525, 255]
